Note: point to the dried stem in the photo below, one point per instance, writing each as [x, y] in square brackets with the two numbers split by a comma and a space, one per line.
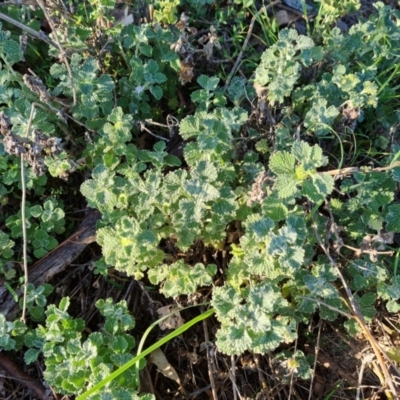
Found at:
[209, 362]
[353, 170]
[357, 315]
[62, 54]
[23, 220]
[246, 42]
[315, 361]
[32, 32]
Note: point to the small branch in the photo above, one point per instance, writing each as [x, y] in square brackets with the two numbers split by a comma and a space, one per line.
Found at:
[327, 306]
[23, 220]
[150, 121]
[353, 170]
[246, 42]
[60, 49]
[310, 392]
[233, 375]
[143, 128]
[359, 251]
[209, 361]
[38, 35]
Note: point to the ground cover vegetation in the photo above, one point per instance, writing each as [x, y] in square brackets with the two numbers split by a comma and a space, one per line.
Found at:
[236, 169]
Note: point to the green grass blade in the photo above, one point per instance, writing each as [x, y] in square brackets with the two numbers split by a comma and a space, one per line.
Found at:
[146, 352]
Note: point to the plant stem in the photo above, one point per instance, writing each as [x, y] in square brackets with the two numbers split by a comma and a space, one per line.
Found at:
[29, 30]
[23, 220]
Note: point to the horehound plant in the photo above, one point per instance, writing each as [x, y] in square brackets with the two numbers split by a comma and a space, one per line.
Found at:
[301, 222]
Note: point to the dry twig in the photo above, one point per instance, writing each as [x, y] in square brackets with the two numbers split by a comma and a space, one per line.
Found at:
[211, 367]
[62, 54]
[358, 316]
[246, 42]
[32, 32]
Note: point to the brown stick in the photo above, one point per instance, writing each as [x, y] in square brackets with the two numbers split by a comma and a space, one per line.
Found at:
[54, 262]
[353, 170]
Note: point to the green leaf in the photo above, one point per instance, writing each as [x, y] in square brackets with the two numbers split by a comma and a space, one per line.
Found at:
[31, 355]
[180, 278]
[392, 218]
[200, 190]
[64, 304]
[11, 50]
[286, 186]
[6, 245]
[320, 118]
[310, 156]
[274, 208]
[318, 187]
[36, 211]
[282, 163]
[226, 300]
[199, 96]
[157, 92]
[119, 344]
[259, 226]
[234, 339]
[208, 83]
[393, 306]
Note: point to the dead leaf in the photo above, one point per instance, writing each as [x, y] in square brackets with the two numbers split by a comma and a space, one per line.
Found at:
[193, 357]
[174, 320]
[122, 17]
[157, 357]
[282, 17]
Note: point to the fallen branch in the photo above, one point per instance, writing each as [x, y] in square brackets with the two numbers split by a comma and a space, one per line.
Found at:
[54, 262]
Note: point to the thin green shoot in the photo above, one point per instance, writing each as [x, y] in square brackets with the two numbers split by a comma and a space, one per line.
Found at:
[146, 352]
[333, 391]
[150, 328]
[305, 12]
[396, 69]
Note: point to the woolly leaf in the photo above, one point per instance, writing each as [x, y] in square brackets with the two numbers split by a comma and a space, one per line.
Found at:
[318, 187]
[157, 92]
[226, 300]
[208, 83]
[286, 186]
[180, 278]
[260, 227]
[282, 163]
[310, 157]
[273, 208]
[31, 355]
[392, 218]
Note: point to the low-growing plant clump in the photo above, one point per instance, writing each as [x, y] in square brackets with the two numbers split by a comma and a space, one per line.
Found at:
[239, 165]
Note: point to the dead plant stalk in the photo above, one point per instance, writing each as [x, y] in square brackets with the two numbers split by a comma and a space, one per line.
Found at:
[357, 315]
